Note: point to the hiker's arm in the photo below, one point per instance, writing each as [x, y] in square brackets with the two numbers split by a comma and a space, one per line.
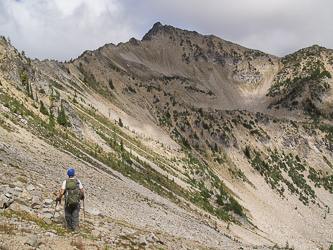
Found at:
[82, 196]
[61, 193]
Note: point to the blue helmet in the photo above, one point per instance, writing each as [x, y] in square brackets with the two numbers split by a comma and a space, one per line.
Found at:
[71, 172]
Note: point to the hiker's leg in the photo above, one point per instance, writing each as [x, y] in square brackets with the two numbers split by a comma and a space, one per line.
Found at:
[68, 217]
[75, 215]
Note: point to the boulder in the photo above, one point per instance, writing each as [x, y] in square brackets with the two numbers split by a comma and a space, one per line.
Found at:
[152, 238]
[142, 241]
[56, 215]
[4, 246]
[35, 193]
[9, 190]
[47, 211]
[47, 221]
[31, 241]
[59, 218]
[21, 208]
[207, 222]
[37, 205]
[41, 185]
[48, 202]
[7, 203]
[8, 195]
[2, 203]
[95, 233]
[26, 195]
[36, 199]
[47, 215]
[122, 234]
[18, 189]
[94, 211]
[31, 188]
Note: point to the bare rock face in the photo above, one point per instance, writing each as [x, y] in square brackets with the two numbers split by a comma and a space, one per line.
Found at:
[290, 141]
[156, 29]
[263, 119]
[225, 140]
[247, 75]
[76, 123]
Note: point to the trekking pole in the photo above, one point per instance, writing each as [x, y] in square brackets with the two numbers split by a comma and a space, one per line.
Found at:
[84, 212]
[54, 210]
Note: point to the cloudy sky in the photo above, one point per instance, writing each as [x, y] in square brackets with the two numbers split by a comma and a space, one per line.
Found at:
[63, 29]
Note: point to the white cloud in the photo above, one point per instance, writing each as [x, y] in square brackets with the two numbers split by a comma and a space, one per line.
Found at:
[275, 26]
[63, 29]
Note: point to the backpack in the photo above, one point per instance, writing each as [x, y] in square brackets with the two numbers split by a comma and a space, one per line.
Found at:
[73, 193]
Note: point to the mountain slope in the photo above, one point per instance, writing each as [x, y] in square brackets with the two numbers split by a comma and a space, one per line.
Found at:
[195, 119]
[304, 82]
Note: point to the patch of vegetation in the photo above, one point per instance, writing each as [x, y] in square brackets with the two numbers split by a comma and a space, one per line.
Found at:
[320, 179]
[167, 79]
[195, 89]
[56, 85]
[27, 217]
[62, 118]
[43, 109]
[273, 170]
[111, 84]
[300, 81]
[24, 76]
[328, 130]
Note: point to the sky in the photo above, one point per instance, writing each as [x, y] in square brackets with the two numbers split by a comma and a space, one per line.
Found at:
[64, 29]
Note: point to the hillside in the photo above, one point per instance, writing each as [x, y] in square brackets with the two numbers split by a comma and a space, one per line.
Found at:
[180, 140]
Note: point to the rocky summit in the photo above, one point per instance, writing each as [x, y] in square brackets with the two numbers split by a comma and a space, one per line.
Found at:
[181, 141]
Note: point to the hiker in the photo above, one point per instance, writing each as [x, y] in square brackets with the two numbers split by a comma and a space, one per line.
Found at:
[73, 191]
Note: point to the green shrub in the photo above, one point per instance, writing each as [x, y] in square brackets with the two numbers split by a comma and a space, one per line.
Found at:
[205, 125]
[255, 131]
[24, 77]
[248, 126]
[120, 122]
[247, 152]
[62, 119]
[111, 84]
[43, 109]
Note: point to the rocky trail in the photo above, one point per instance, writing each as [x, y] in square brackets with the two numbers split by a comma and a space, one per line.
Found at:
[119, 213]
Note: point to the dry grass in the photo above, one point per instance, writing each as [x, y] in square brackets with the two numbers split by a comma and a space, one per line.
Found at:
[78, 243]
[7, 229]
[3, 247]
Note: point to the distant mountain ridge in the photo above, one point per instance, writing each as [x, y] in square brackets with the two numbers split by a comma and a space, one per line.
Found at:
[238, 77]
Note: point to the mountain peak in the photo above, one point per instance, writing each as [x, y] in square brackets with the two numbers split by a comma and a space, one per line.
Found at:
[157, 27]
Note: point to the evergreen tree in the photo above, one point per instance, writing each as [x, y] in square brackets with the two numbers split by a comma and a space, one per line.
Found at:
[120, 122]
[62, 120]
[247, 152]
[29, 91]
[51, 119]
[43, 109]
